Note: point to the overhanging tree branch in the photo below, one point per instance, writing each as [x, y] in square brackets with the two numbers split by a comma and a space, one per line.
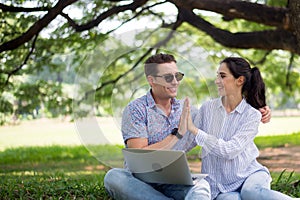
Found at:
[6, 8]
[36, 27]
[283, 37]
[260, 13]
[110, 12]
[265, 40]
[73, 24]
[14, 71]
[294, 7]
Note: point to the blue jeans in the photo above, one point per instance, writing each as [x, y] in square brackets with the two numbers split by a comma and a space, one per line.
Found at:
[121, 184]
[256, 186]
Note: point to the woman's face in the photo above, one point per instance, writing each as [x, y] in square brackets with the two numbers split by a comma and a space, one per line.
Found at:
[225, 81]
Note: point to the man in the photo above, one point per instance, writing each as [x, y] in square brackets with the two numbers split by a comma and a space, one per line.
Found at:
[148, 122]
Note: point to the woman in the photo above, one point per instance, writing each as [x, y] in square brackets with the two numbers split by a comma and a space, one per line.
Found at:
[226, 127]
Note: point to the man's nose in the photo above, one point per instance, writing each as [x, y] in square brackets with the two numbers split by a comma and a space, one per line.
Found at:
[174, 81]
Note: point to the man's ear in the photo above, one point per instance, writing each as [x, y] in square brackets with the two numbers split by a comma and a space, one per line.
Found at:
[150, 80]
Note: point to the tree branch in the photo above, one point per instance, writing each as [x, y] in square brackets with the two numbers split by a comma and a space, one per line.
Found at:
[258, 62]
[14, 71]
[260, 13]
[288, 73]
[6, 8]
[73, 24]
[124, 74]
[265, 40]
[294, 7]
[113, 11]
[36, 27]
[263, 59]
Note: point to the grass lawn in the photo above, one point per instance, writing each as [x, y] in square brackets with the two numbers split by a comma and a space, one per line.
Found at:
[76, 172]
[54, 172]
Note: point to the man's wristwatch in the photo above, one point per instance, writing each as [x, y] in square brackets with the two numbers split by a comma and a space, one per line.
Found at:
[176, 133]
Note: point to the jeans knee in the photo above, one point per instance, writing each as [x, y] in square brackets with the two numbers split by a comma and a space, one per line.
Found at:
[201, 190]
[113, 177]
[250, 193]
[114, 181]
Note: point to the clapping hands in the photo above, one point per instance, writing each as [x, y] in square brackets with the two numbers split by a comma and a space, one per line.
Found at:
[186, 123]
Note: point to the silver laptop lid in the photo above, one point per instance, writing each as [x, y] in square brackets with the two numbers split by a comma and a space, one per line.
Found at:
[158, 166]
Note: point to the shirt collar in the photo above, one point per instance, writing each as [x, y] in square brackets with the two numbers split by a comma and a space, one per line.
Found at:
[240, 108]
[150, 100]
[151, 103]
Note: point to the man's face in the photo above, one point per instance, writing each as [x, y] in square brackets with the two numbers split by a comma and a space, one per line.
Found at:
[164, 84]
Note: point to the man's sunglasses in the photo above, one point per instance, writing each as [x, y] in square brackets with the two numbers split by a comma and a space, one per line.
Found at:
[169, 77]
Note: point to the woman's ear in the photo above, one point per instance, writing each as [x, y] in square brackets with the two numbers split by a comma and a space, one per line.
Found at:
[241, 80]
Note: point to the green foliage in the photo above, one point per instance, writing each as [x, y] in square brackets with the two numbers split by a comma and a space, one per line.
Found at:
[287, 183]
[6, 107]
[105, 70]
[278, 3]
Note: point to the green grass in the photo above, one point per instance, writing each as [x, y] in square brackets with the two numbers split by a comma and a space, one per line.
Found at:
[277, 141]
[286, 182]
[77, 172]
[265, 141]
[53, 172]
[52, 186]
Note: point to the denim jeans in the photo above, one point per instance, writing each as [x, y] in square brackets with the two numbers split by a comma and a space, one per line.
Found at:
[121, 184]
[256, 186]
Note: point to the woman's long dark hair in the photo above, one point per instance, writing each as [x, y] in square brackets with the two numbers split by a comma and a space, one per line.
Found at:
[254, 87]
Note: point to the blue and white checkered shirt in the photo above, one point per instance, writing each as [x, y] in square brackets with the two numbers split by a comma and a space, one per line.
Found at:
[227, 139]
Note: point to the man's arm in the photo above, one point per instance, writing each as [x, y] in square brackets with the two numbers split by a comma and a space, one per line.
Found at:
[266, 114]
[135, 130]
[142, 143]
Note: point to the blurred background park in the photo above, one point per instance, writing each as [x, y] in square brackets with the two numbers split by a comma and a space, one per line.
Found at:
[45, 132]
[69, 67]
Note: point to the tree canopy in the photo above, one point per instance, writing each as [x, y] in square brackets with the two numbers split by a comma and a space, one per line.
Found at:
[46, 48]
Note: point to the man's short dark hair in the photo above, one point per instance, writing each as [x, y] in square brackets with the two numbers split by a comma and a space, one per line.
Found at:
[152, 62]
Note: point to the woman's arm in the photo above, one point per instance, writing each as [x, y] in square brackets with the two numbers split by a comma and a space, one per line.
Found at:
[243, 135]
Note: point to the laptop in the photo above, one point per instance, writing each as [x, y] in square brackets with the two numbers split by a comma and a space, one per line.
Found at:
[160, 166]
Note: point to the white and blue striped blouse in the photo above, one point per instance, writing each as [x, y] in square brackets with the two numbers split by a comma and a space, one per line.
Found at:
[227, 139]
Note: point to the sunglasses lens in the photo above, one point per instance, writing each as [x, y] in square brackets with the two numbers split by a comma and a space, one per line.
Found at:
[179, 76]
[169, 78]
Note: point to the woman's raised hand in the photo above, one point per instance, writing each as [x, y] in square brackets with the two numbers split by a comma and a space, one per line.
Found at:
[186, 122]
[182, 129]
